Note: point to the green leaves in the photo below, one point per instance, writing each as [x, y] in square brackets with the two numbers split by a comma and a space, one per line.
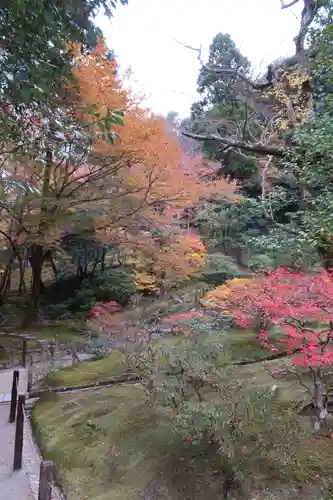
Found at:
[105, 124]
[35, 37]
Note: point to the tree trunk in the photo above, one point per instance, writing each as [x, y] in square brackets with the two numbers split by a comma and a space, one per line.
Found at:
[54, 269]
[319, 399]
[103, 259]
[37, 253]
[5, 284]
[22, 287]
[32, 310]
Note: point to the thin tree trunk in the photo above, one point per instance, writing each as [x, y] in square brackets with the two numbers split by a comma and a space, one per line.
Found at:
[103, 260]
[37, 254]
[5, 284]
[319, 399]
[54, 269]
[32, 311]
[22, 288]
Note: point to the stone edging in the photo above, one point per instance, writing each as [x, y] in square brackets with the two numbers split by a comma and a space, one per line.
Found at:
[32, 458]
[29, 459]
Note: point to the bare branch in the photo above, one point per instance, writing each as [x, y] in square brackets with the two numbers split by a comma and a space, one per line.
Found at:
[287, 5]
[256, 86]
[189, 47]
[218, 70]
[298, 376]
[263, 182]
[254, 148]
[309, 12]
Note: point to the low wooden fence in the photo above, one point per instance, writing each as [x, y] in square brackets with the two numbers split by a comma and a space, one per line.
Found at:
[46, 488]
[38, 356]
[18, 349]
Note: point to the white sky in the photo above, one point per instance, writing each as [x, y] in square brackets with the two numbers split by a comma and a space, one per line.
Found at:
[141, 36]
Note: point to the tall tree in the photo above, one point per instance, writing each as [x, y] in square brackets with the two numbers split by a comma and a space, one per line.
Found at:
[225, 106]
[91, 180]
[292, 143]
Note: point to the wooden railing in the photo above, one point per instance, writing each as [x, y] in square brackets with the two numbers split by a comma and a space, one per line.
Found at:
[18, 349]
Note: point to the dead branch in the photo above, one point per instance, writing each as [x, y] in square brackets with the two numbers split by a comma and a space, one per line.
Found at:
[255, 86]
[254, 148]
[290, 4]
[309, 12]
[218, 70]
[298, 376]
[240, 144]
[263, 182]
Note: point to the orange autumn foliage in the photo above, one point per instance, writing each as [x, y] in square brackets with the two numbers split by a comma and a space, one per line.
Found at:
[115, 187]
[149, 167]
[221, 298]
[157, 266]
[152, 153]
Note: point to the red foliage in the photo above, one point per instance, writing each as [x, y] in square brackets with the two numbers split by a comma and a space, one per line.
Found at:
[293, 301]
[105, 308]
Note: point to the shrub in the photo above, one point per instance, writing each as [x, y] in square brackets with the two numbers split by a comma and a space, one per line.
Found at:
[246, 431]
[103, 286]
[261, 263]
[111, 284]
[215, 298]
[219, 268]
[145, 283]
[248, 428]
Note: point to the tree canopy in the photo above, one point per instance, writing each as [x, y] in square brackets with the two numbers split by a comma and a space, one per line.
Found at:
[36, 37]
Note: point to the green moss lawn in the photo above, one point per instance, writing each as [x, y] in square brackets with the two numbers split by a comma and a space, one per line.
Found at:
[109, 443]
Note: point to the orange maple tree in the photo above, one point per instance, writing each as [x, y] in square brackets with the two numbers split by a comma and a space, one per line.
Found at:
[150, 165]
[129, 176]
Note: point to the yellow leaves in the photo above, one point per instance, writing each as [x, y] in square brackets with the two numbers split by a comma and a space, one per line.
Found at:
[196, 251]
[145, 283]
[282, 125]
[197, 258]
[156, 266]
[296, 79]
[292, 97]
[132, 182]
[188, 254]
[218, 298]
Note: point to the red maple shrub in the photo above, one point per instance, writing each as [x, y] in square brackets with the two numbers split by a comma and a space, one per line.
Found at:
[104, 308]
[302, 305]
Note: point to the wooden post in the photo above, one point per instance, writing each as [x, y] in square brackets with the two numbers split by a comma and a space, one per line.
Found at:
[45, 480]
[29, 375]
[75, 357]
[18, 447]
[57, 343]
[24, 352]
[13, 401]
[52, 349]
